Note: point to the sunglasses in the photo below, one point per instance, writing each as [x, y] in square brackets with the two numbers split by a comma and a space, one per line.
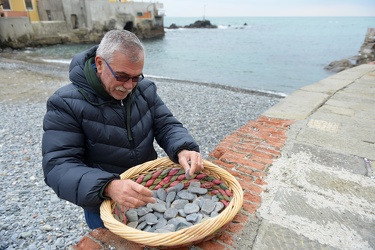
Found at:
[124, 78]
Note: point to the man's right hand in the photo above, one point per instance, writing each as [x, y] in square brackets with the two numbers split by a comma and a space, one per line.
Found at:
[129, 193]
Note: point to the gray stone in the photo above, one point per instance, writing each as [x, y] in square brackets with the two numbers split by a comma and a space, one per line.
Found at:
[219, 206]
[208, 206]
[159, 207]
[179, 204]
[197, 190]
[207, 196]
[143, 210]
[176, 220]
[194, 184]
[170, 198]
[155, 193]
[162, 194]
[191, 208]
[215, 198]
[132, 215]
[181, 213]
[194, 218]
[25, 234]
[158, 214]
[170, 227]
[46, 228]
[161, 223]
[186, 195]
[179, 223]
[183, 225]
[142, 225]
[170, 213]
[148, 228]
[151, 219]
[179, 187]
[213, 214]
[132, 224]
[187, 174]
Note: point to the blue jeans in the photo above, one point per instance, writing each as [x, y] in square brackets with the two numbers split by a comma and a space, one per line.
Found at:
[93, 220]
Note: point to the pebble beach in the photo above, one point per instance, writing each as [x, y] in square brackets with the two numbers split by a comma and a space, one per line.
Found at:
[32, 216]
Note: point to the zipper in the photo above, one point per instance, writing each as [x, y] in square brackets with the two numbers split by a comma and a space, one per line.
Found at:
[126, 111]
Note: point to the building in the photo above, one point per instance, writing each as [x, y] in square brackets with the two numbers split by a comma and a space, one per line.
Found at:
[45, 22]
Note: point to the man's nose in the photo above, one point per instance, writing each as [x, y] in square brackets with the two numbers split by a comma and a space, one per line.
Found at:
[128, 84]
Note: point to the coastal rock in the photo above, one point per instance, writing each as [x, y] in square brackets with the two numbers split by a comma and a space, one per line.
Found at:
[337, 66]
[173, 26]
[202, 24]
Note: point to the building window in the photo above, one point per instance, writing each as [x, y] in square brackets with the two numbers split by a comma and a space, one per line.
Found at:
[49, 16]
[5, 4]
[29, 5]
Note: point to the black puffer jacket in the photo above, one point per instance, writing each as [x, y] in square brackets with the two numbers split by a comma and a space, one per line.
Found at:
[90, 138]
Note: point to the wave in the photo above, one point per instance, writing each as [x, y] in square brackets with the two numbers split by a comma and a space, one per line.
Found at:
[60, 61]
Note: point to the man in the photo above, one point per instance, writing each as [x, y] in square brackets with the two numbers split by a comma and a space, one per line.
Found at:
[105, 122]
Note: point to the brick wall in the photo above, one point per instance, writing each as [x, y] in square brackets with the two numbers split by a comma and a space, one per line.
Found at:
[247, 154]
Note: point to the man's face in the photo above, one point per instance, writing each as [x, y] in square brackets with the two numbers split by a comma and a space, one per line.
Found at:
[121, 66]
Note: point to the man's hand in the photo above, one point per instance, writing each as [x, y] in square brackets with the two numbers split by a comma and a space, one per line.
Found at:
[190, 159]
[129, 193]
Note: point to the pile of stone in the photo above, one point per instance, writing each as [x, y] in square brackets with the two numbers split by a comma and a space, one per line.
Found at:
[176, 208]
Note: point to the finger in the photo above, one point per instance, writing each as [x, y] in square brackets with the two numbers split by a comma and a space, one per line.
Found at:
[184, 163]
[196, 163]
[139, 189]
[132, 202]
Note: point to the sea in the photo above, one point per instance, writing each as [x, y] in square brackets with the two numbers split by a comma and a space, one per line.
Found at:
[268, 54]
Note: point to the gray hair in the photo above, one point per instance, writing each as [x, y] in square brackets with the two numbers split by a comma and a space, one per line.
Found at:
[122, 41]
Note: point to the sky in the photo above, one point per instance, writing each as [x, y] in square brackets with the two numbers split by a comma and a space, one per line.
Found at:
[220, 8]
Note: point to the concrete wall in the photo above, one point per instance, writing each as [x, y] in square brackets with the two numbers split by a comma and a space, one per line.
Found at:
[115, 15]
[16, 30]
[75, 14]
[49, 28]
[50, 10]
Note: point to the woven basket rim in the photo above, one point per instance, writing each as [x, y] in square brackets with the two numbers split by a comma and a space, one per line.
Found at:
[184, 236]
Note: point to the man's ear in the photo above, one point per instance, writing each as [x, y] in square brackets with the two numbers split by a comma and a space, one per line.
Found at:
[99, 64]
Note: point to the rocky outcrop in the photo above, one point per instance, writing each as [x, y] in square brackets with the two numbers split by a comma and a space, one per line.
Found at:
[199, 24]
[337, 66]
[202, 24]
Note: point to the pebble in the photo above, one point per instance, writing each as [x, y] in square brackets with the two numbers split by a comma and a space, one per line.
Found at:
[179, 204]
[159, 207]
[170, 213]
[20, 150]
[183, 194]
[187, 209]
[191, 208]
[162, 194]
[132, 215]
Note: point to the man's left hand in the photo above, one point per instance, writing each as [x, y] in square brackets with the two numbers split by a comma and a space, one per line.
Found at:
[190, 159]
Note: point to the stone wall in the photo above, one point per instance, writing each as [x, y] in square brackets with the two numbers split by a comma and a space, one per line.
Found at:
[367, 50]
[15, 31]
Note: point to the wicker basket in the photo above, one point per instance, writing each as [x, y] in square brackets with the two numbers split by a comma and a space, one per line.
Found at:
[188, 236]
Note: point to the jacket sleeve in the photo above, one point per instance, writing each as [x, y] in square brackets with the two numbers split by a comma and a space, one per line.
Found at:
[63, 150]
[170, 134]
